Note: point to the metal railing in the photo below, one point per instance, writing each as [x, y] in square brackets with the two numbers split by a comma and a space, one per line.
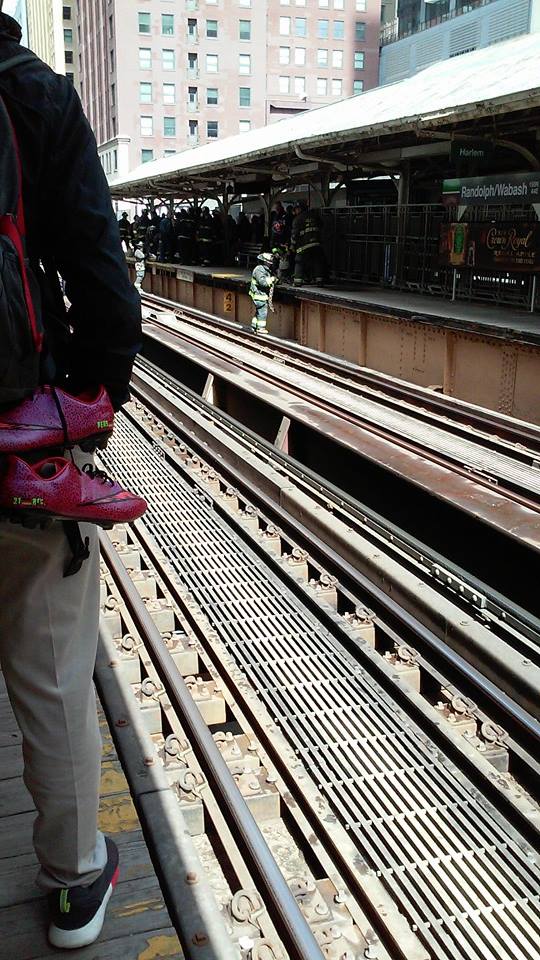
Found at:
[393, 31]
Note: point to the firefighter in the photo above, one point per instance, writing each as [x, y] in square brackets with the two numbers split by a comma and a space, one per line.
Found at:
[205, 238]
[125, 230]
[306, 245]
[261, 290]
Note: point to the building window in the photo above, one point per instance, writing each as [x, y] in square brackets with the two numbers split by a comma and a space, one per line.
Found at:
[70, 76]
[167, 24]
[339, 4]
[145, 58]
[193, 130]
[193, 63]
[145, 93]
[144, 22]
[244, 3]
[339, 29]
[300, 86]
[192, 29]
[147, 127]
[300, 56]
[68, 35]
[212, 63]
[193, 96]
[244, 126]
[337, 58]
[168, 60]
[211, 29]
[169, 126]
[244, 64]
[361, 6]
[111, 56]
[359, 60]
[69, 56]
[212, 129]
[244, 29]
[147, 155]
[360, 30]
[245, 96]
[169, 153]
[324, 3]
[357, 87]
[115, 163]
[284, 84]
[322, 29]
[300, 26]
[284, 26]
[322, 58]
[337, 88]
[169, 93]
[111, 28]
[284, 55]
[66, 13]
[322, 86]
[212, 96]
[113, 94]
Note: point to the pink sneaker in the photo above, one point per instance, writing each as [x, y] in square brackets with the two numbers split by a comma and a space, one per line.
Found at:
[55, 488]
[53, 418]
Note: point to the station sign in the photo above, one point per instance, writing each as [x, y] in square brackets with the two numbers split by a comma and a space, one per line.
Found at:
[467, 151]
[511, 247]
[504, 188]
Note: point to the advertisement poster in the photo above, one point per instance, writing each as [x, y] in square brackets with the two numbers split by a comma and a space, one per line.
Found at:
[512, 247]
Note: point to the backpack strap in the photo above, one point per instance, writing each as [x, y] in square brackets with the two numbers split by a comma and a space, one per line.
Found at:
[12, 223]
[25, 57]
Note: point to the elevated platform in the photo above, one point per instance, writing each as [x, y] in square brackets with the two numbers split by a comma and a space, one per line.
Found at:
[425, 340]
[137, 926]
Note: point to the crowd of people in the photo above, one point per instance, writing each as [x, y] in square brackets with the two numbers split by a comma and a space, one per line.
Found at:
[197, 236]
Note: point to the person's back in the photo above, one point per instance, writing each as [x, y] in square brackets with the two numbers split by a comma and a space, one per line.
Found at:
[49, 613]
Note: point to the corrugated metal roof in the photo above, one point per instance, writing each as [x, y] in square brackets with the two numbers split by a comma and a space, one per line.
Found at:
[473, 84]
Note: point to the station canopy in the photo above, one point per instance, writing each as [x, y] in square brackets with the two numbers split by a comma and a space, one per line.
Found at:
[491, 94]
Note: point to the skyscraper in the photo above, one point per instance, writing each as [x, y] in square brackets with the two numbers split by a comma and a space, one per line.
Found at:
[158, 78]
[51, 34]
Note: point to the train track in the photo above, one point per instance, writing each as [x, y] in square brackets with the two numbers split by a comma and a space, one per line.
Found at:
[492, 430]
[429, 837]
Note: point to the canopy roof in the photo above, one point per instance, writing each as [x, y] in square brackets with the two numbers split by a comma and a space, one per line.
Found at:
[468, 91]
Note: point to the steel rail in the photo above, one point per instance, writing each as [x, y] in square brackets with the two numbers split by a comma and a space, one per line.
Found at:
[294, 928]
[399, 615]
[352, 511]
[512, 489]
[366, 381]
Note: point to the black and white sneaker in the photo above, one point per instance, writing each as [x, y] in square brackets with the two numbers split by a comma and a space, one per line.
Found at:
[77, 913]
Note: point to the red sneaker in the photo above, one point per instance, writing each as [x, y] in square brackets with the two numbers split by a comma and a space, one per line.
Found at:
[55, 488]
[54, 418]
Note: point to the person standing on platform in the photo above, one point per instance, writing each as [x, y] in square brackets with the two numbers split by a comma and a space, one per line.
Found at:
[306, 246]
[205, 238]
[263, 280]
[166, 239]
[125, 230]
[140, 265]
[49, 623]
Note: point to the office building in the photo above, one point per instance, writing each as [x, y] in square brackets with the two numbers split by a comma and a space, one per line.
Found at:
[159, 77]
[51, 34]
[424, 32]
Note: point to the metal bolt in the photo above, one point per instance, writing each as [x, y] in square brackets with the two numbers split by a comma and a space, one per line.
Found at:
[149, 761]
[192, 878]
[122, 722]
[199, 939]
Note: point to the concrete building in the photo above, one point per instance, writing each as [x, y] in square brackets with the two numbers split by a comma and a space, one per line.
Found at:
[52, 35]
[424, 32]
[19, 14]
[157, 78]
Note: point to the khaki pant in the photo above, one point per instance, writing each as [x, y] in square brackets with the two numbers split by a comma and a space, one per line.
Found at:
[48, 641]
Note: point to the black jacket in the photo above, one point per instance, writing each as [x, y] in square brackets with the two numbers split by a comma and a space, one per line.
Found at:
[71, 228]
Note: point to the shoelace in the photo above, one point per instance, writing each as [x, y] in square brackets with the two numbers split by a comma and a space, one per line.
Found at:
[95, 474]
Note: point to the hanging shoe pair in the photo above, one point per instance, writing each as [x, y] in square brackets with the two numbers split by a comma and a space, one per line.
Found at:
[54, 487]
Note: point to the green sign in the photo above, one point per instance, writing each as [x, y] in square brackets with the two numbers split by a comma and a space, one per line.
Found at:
[503, 188]
[462, 151]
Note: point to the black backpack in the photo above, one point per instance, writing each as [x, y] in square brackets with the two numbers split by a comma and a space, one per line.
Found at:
[21, 331]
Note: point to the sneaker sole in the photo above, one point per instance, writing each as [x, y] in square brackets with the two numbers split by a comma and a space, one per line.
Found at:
[83, 936]
[35, 519]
